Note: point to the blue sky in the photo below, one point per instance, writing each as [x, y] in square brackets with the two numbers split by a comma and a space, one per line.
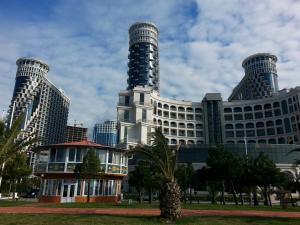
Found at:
[202, 44]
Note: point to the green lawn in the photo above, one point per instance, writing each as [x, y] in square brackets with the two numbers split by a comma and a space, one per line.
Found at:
[155, 205]
[10, 203]
[49, 219]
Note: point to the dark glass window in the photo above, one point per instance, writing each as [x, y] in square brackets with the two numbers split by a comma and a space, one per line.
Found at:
[237, 109]
[257, 107]
[267, 106]
[240, 133]
[258, 115]
[72, 154]
[270, 131]
[284, 107]
[127, 100]
[268, 113]
[279, 122]
[250, 133]
[238, 117]
[277, 112]
[52, 155]
[276, 104]
[248, 116]
[61, 155]
[281, 141]
[279, 130]
[227, 110]
[249, 125]
[260, 124]
[228, 126]
[260, 132]
[287, 125]
[142, 98]
[248, 109]
[272, 141]
[270, 123]
[228, 117]
[78, 154]
[239, 126]
[229, 134]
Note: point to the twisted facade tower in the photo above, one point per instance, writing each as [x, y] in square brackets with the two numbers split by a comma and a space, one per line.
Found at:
[143, 66]
[45, 106]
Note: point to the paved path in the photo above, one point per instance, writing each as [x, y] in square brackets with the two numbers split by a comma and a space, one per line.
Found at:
[139, 211]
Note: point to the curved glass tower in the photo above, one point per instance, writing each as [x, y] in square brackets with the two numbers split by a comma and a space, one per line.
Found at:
[260, 80]
[143, 65]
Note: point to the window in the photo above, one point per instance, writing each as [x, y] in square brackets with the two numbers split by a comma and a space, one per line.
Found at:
[190, 126]
[229, 134]
[258, 115]
[144, 115]
[250, 133]
[189, 117]
[268, 113]
[260, 132]
[248, 109]
[270, 131]
[279, 130]
[199, 126]
[287, 125]
[227, 110]
[166, 114]
[240, 133]
[72, 152]
[276, 104]
[248, 116]
[279, 122]
[166, 106]
[267, 106]
[284, 107]
[257, 107]
[277, 112]
[181, 125]
[270, 123]
[239, 126]
[238, 117]
[238, 109]
[173, 108]
[142, 98]
[228, 117]
[126, 115]
[127, 100]
[228, 126]
[60, 155]
[249, 125]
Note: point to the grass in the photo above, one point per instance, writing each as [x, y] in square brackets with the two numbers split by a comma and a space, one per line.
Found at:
[185, 206]
[11, 203]
[49, 219]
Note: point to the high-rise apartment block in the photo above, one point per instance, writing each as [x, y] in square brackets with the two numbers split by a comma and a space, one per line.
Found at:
[143, 65]
[45, 106]
[105, 133]
[75, 133]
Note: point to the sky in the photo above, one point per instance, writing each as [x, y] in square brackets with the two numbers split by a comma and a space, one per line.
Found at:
[201, 45]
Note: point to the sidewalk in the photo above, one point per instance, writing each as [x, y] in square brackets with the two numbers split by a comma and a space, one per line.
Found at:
[154, 212]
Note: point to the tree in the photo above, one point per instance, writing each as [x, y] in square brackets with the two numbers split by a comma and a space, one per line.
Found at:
[16, 169]
[184, 175]
[11, 141]
[164, 159]
[226, 168]
[267, 175]
[138, 178]
[89, 168]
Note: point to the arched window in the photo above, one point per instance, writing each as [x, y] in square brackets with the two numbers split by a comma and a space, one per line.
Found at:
[173, 141]
[272, 141]
[238, 109]
[190, 126]
[228, 126]
[189, 109]
[259, 124]
[267, 106]
[181, 109]
[270, 123]
[166, 106]
[239, 126]
[159, 122]
[198, 110]
[257, 107]
[199, 126]
[173, 124]
[248, 109]
[227, 110]
[262, 141]
[249, 125]
[166, 123]
[276, 104]
[182, 141]
[173, 108]
[230, 142]
[191, 142]
[181, 125]
[159, 105]
[251, 142]
[281, 140]
[278, 122]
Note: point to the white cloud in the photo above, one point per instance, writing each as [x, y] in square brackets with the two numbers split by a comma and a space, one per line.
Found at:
[202, 45]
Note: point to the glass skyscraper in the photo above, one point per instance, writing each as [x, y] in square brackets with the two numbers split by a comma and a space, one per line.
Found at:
[143, 66]
[105, 133]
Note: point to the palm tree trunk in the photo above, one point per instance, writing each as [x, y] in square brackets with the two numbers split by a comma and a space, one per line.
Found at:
[170, 205]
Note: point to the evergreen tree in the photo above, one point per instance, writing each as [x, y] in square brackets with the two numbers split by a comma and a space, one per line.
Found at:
[89, 169]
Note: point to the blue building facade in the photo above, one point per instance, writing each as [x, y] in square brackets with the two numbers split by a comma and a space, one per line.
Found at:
[105, 133]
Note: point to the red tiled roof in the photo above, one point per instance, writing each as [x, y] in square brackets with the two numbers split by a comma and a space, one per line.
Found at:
[81, 143]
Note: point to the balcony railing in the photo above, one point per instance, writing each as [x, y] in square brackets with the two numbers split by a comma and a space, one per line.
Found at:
[67, 167]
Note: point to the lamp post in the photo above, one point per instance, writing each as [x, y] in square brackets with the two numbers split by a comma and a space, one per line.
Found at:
[246, 147]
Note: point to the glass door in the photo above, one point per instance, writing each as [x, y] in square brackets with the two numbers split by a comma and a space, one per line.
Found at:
[68, 193]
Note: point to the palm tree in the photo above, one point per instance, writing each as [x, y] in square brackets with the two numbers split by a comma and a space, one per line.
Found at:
[11, 141]
[164, 159]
